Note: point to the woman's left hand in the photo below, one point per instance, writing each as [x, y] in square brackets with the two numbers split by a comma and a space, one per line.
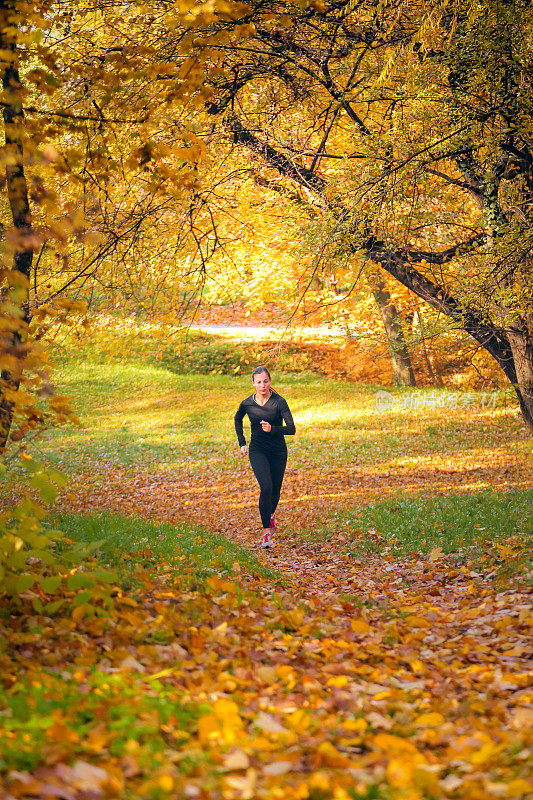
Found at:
[266, 425]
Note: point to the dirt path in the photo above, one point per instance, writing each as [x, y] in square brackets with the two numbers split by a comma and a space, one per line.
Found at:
[227, 504]
[458, 620]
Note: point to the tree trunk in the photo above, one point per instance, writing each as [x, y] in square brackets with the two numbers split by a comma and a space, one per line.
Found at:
[491, 337]
[345, 317]
[15, 279]
[433, 374]
[521, 342]
[402, 369]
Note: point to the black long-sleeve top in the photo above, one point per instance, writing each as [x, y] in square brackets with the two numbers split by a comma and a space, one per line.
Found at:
[276, 411]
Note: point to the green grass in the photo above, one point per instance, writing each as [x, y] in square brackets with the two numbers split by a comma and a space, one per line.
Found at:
[137, 413]
[457, 523]
[192, 553]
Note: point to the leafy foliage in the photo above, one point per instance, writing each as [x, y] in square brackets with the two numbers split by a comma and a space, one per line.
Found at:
[34, 562]
[404, 136]
[136, 140]
[23, 537]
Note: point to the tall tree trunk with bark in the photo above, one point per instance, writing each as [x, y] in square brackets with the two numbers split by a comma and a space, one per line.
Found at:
[402, 369]
[14, 277]
[521, 342]
[432, 372]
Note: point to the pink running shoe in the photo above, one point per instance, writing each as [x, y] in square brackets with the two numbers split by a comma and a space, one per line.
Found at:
[267, 541]
[273, 526]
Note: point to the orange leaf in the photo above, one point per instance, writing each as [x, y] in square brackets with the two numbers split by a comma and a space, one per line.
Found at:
[358, 625]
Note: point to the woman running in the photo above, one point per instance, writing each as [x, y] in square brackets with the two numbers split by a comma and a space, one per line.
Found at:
[267, 411]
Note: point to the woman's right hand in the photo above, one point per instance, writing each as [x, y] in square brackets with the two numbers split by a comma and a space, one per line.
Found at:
[244, 450]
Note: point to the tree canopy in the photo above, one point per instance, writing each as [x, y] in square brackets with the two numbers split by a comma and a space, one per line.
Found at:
[398, 133]
[409, 127]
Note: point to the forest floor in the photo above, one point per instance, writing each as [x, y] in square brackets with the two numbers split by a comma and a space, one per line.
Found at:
[380, 650]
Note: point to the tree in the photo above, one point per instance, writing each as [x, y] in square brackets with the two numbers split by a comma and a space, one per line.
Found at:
[402, 369]
[400, 124]
[412, 125]
[90, 182]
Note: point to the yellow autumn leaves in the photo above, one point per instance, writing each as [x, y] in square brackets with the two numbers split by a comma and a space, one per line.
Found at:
[224, 724]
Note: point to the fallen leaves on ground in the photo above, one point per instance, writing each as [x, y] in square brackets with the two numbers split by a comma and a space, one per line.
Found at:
[419, 689]
[348, 679]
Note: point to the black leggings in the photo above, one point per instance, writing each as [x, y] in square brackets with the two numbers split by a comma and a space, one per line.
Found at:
[269, 470]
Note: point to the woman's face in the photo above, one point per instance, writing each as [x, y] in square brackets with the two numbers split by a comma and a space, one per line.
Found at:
[261, 381]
